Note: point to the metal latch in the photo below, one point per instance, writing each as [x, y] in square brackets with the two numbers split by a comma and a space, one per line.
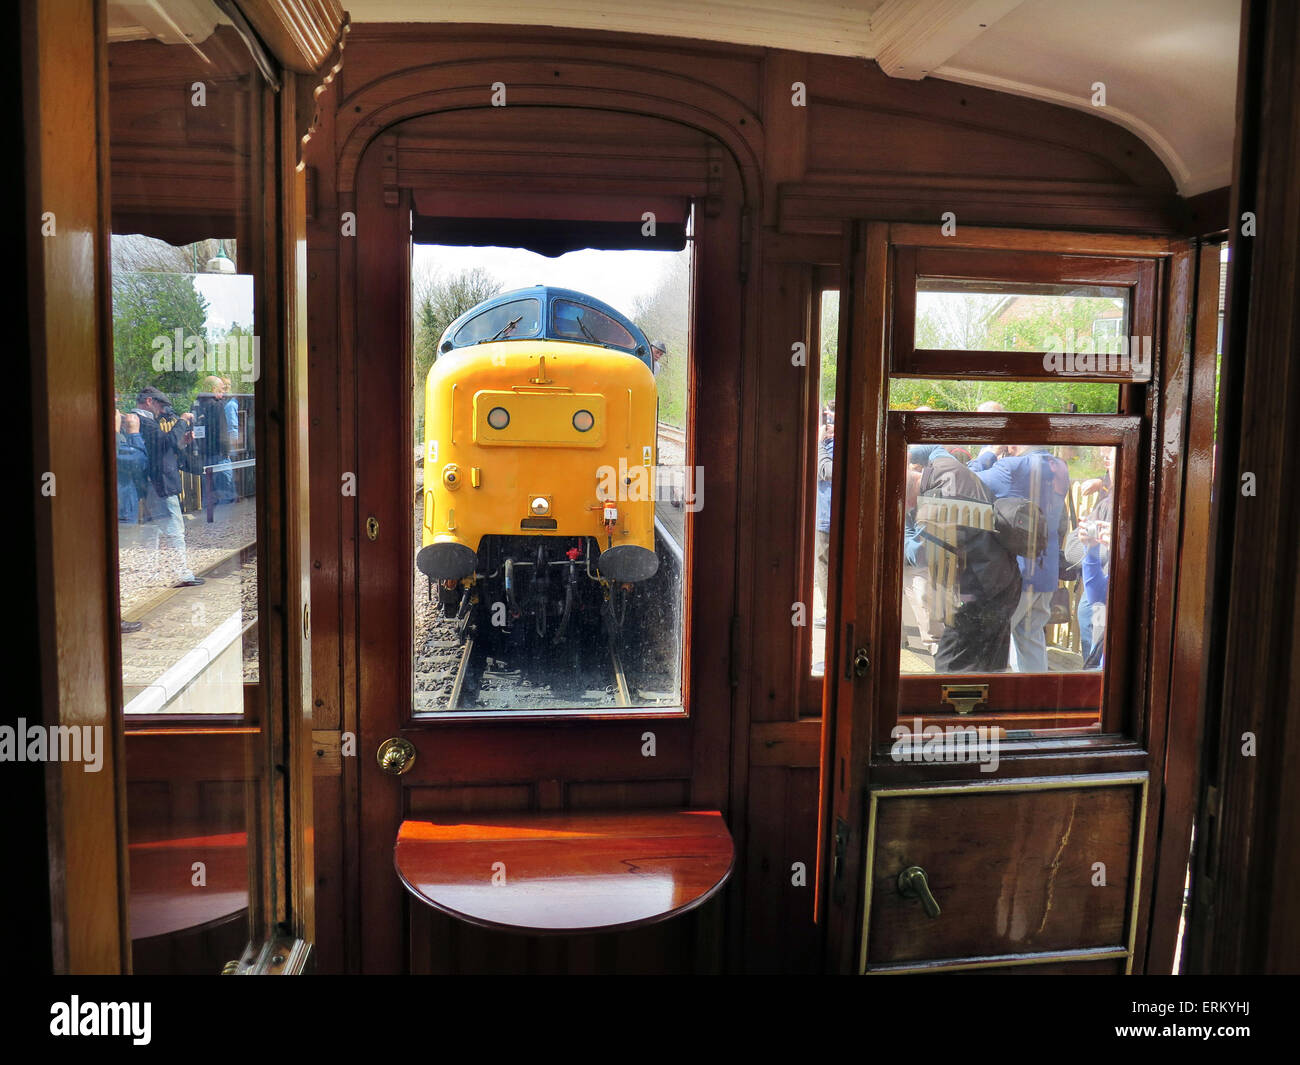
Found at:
[964, 697]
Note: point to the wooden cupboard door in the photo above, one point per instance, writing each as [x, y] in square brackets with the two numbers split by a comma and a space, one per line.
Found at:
[1024, 872]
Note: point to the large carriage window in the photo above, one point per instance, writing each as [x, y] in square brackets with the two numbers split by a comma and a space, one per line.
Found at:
[187, 309]
[1015, 456]
[552, 501]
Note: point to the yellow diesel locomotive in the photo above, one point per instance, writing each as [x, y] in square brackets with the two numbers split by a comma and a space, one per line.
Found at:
[539, 458]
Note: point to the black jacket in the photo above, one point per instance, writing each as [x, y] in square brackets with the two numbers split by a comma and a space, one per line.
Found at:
[164, 442]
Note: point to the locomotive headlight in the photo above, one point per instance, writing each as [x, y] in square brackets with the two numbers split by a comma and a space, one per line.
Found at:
[583, 421]
[540, 505]
[498, 417]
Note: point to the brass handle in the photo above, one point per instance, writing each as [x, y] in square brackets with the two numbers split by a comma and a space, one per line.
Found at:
[912, 884]
[861, 663]
[395, 756]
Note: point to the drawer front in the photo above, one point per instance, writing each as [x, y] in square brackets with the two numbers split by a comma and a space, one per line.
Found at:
[1034, 871]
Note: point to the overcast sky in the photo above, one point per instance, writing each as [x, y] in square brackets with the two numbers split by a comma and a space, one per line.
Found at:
[617, 277]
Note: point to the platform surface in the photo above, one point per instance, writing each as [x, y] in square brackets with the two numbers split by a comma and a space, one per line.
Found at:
[566, 872]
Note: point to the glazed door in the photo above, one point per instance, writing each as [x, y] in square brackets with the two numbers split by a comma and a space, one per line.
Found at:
[1002, 671]
[480, 721]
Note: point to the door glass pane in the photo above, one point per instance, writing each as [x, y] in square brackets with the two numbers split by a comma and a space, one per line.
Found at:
[958, 315]
[185, 143]
[552, 500]
[1007, 576]
[985, 396]
[828, 341]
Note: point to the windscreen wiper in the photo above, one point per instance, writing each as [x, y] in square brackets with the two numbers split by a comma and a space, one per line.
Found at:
[585, 331]
[503, 330]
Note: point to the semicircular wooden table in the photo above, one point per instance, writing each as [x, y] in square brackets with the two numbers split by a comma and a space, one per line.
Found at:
[552, 873]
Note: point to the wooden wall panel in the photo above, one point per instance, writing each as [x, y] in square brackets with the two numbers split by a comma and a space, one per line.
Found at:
[866, 146]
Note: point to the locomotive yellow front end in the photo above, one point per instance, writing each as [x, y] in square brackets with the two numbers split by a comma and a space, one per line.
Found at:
[539, 439]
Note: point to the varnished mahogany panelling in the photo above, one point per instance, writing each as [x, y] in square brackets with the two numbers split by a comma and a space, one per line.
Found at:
[1041, 129]
[856, 140]
[680, 947]
[601, 152]
[484, 798]
[627, 794]
[175, 165]
[780, 935]
[376, 51]
[780, 488]
[1013, 872]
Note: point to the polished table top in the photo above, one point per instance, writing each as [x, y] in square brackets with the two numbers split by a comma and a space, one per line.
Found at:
[164, 896]
[566, 872]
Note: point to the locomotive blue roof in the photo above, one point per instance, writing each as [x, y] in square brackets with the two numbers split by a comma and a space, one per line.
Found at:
[554, 314]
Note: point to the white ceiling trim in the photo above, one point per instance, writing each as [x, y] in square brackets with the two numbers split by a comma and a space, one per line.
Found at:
[911, 38]
[1189, 184]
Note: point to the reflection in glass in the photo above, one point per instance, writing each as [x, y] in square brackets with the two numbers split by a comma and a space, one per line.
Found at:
[1006, 558]
[961, 315]
[187, 361]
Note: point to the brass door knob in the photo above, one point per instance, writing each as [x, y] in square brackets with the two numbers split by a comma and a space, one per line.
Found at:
[395, 756]
[912, 884]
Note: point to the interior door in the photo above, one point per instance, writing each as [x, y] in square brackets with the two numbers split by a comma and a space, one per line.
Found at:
[1001, 706]
[509, 760]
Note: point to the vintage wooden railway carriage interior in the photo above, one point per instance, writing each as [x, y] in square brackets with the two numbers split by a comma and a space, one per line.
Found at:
[596, 488]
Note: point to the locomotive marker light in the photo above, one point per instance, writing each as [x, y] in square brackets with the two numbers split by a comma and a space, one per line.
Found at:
[582, 421]
[499, 418]
[451, 476]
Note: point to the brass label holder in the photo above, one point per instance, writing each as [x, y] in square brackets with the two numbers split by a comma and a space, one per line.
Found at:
[964, 697]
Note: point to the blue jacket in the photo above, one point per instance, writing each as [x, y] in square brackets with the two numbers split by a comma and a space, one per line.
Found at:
[1038, 476]
[825, 459]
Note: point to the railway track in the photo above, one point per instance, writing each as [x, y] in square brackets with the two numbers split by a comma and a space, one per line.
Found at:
[485, 682]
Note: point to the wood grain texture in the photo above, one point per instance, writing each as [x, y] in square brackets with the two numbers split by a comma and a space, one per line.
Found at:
[69, 329]
[1013, 872]
[300, 33]
[1244, 917]
[566, 873]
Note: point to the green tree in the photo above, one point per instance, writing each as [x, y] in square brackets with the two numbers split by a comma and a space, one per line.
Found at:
[148, 306]
[439, 301]
[664, 315]
[830, 344]
[983, 322]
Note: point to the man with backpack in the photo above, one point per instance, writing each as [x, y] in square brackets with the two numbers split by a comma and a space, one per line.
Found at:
[978, 637]
[1036, 475]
